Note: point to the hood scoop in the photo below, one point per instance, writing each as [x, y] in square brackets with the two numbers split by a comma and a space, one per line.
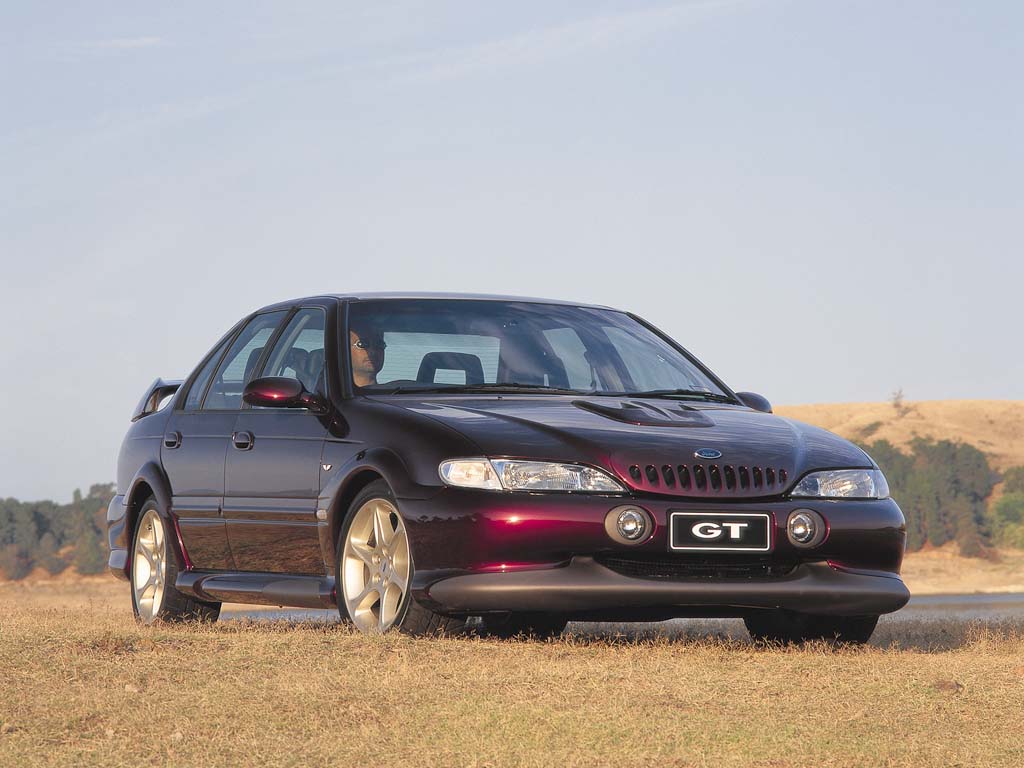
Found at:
[647, 415]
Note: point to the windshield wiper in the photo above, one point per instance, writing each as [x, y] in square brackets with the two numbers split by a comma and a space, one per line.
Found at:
[712, 396]
[515, 385]
[501, 386]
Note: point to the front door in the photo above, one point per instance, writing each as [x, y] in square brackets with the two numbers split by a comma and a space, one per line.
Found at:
[197, 441]
[272, 476]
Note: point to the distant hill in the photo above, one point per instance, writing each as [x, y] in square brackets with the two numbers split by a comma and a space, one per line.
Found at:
[995, 427]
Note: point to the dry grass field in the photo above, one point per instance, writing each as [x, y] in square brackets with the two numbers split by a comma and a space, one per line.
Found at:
[84, 685]
[943, 571]
[993, 426]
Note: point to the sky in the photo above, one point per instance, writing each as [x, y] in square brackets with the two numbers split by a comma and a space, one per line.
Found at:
[822, 200]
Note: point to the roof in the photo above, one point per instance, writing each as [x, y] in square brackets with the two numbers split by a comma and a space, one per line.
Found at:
[363, 296]
[375, 295]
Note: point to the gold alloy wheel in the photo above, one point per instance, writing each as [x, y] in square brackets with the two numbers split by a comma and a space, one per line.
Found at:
[149, 567]
[375, 566]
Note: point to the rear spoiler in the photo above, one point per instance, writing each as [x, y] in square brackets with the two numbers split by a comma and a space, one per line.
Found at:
[155, 395]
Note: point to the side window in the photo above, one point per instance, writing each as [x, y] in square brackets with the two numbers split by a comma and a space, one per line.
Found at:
[299, 352]
[238, 365]
[195, 394]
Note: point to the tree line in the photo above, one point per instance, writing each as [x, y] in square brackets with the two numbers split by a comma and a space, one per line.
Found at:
[944, 489]
[44, 534]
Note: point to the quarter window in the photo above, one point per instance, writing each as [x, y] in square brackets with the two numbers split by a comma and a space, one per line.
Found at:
[240, 362]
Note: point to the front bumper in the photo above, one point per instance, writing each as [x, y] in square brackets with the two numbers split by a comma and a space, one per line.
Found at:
[476, 551]
[464, 530]
[584, 589]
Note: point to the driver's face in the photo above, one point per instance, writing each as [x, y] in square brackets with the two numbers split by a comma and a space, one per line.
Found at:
[367, 350]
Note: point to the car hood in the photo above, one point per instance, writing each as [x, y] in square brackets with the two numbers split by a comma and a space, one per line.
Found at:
[649, 444]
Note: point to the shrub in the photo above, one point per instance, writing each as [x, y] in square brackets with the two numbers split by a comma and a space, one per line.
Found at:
[1013, 480]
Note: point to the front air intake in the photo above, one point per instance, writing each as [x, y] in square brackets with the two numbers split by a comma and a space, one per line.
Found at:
[709, 480]
[661, 568]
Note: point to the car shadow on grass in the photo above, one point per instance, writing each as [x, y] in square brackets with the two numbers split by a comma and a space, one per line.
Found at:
[893, 633]
[921, 635]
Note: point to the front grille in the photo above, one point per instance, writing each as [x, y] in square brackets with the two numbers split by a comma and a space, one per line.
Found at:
[709, 479]
[711, 569]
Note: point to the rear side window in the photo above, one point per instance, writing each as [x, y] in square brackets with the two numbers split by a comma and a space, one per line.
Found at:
[299, 352]
[240, 362]
[195, 394]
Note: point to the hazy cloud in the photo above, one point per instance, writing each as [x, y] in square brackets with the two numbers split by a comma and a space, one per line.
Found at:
[125, 43]
[539, 45]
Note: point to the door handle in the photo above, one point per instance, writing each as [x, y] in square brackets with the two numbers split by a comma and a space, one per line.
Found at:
[242, 440]
[172, 439]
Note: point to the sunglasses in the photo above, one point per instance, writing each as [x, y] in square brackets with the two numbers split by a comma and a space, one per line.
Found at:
[370, 344]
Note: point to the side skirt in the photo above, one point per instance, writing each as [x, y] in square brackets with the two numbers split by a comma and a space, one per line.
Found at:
[259, 588]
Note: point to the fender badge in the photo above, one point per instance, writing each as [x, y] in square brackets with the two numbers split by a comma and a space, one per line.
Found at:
[327, 467]
[707, 453]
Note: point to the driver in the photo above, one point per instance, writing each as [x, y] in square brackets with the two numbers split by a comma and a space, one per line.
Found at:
[367, 350]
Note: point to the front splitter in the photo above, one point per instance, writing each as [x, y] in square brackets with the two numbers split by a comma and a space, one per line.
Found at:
[585, 587]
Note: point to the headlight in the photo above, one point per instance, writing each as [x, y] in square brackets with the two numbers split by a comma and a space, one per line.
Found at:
[514, 475]
[470, 473]
[843, 484]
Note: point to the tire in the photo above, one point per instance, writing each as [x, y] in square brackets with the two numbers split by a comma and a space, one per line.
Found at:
[788, 627]
[374, 570]
[154, 569]
[537, 625]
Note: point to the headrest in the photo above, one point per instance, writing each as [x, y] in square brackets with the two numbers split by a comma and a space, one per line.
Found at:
[450, 361]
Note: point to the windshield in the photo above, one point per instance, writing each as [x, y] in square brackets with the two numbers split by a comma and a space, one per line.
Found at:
[416, 345]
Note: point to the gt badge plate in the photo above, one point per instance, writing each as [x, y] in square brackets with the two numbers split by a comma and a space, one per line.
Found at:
[720, 531]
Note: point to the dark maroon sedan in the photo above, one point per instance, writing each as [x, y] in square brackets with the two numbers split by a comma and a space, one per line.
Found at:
[433, 462]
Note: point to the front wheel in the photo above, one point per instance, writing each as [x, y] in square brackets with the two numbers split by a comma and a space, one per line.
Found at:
[153, 574]
[375, 569]
[788, 627]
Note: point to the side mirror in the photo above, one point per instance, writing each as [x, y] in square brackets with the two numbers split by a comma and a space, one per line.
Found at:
[282, 392]
[755, 401]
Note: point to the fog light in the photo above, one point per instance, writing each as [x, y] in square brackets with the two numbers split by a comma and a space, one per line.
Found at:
[631, 524]
[801, 528]
[628, 524]
[805, 528]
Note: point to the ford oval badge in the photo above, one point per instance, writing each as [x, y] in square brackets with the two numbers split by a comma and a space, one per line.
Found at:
[708, 453]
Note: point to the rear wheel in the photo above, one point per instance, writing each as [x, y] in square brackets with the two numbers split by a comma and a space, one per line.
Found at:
[790, 627]
[375, 569]
[154, 571]
[539, 625]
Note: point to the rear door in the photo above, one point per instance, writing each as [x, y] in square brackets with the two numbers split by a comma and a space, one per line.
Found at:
[197, 439]
[273, 465]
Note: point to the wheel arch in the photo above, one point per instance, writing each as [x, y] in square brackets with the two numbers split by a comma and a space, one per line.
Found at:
[365, 468]
[151, 481]
[148, 481]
